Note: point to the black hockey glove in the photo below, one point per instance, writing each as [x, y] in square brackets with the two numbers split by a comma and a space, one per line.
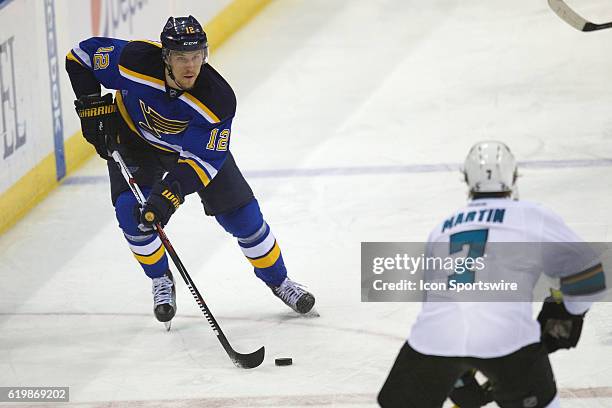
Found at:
[163, 201]
[468, 393]
[99, 119]
[560, 328]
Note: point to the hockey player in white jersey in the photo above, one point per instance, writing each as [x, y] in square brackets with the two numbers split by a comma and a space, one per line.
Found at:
[500, 339]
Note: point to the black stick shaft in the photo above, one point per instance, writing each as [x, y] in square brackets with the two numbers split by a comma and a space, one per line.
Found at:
[189, 282]
[594, 27]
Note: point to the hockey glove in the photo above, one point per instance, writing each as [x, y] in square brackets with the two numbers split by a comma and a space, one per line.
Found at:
[99, 119]
[560, 328]
[468, 393]
[163, 201]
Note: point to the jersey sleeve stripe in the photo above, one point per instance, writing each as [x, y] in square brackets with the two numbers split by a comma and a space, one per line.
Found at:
[82, 56]
[142, 78]
[586, 282]
[70, 56]
[202, 109]
[586, 274]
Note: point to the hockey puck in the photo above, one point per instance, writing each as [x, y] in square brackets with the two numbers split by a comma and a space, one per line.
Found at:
[283, 361]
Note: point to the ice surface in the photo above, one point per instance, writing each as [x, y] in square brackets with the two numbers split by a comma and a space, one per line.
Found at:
[353, 117]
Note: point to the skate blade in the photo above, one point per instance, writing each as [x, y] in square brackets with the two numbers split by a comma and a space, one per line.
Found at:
[311, 314]
[168, 325]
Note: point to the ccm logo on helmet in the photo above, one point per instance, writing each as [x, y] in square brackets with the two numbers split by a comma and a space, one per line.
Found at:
[190, 43]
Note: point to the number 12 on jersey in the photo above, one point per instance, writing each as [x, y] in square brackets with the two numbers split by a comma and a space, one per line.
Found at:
[476, 240]
[221, 144]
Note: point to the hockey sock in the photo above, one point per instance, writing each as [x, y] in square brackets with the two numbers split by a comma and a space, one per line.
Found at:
[146, 246]
[256, 241]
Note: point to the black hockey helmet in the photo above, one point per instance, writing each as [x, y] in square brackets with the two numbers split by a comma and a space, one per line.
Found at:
[183, 34]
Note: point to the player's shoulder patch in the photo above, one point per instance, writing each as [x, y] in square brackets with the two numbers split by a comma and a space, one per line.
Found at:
[212, 96]
[141, 61]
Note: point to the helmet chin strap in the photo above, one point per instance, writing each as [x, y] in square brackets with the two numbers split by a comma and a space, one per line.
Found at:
[171, 75]
[165, 58]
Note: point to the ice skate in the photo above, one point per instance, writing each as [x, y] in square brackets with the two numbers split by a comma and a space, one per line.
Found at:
[164, 298]
[294, 295]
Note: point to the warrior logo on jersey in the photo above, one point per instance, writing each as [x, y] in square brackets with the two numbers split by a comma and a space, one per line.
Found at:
[157, 124]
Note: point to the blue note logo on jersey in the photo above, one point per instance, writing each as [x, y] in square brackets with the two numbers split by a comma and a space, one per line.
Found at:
[157, 125]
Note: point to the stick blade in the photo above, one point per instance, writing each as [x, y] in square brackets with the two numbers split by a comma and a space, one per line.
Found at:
[251, 360]
[567, 14]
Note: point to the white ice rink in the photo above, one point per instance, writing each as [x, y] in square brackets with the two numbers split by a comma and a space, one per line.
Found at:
[353, 117]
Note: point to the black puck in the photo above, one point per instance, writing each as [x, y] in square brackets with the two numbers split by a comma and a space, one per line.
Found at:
[283, 361]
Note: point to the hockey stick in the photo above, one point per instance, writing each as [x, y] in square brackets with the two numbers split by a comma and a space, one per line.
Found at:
[572, 18]
[251, 360]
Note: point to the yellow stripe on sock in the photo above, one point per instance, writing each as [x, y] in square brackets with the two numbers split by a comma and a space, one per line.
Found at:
[151, 259]
[268, 260]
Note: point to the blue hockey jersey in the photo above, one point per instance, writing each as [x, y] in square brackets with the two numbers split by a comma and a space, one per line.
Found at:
[194, 124]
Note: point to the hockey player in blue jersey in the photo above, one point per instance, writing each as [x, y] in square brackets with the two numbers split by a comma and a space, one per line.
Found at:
[171, 121]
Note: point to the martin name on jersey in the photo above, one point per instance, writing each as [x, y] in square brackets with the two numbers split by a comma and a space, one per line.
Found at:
[497, 328]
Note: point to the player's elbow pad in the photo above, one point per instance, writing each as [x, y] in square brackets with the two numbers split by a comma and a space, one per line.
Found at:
[82, 79]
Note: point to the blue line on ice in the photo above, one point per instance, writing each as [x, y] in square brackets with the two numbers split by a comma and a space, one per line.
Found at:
[371, 170]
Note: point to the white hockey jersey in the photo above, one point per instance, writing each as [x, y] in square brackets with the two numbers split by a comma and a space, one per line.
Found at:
[494, 329]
